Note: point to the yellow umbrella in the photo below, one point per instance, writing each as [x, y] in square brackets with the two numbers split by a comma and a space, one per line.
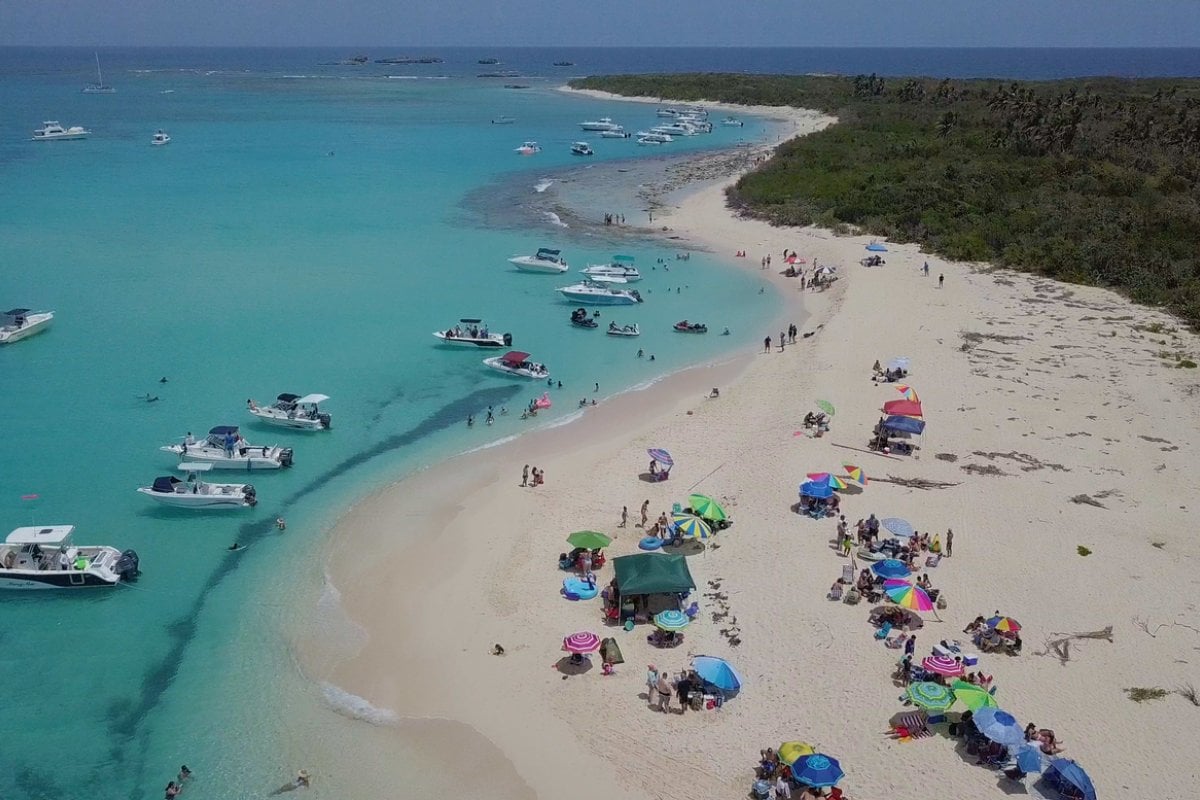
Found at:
[789, 752]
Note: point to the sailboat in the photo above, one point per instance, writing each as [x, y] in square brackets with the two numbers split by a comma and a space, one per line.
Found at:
[99, 87]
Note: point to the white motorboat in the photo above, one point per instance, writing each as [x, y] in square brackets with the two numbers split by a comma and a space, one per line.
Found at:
[192, 492]
[18, 323]
[52, 131]
[621, 267]
[602, 124]
[623, 330]
[517, 363]
[597, 293]
[544, 260]
[504, 120]
[529, 148]
[667, 113]
[99, 87]
[160, 138]
[582, 149]
[616, 133]
[44, 557]
[675, 129]
[293, 411]
[643, 140]
[473, 333]
[225, 448]
[732, 122]
[650, 137]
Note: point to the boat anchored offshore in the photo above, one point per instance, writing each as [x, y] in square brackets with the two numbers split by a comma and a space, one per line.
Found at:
[623, 330]
[192, 492]
[602, 124]
[160, 138]
[18, 323]
[582, 319]
[544, 260]
[529, 148]
[517, 363]
[683, 326]
[582, 149]
[596, 293]
[44, 557]
[293, 411]
[99, 87]
[616, 133]
[51, 131]
[732, 122]
[621, 267]
[225, 448]
[473, 333]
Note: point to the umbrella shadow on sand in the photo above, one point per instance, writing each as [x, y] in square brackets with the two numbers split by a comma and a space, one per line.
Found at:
[851, 488]
[646, 477]
[568, 665]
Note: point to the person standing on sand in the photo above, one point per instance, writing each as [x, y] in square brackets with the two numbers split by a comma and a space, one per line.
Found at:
[525, 476]
[925, 269]
[941, 280]
[949, 542]
[683, 689]
[624, 516]
[767, 344]
[664, 692]
[645, 513]
[651, 685]
[782, 341]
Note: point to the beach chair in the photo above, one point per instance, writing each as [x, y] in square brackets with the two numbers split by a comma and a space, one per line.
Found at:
[883, 632]
[907, 727]
[847, 574]
[836, 592]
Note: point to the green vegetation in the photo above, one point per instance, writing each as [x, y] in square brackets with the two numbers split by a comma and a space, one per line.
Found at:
[1138, 695]
[1083, 551]
[1091, 181]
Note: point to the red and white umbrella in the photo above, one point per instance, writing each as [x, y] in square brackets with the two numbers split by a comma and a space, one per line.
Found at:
[943, 665]
[581, 642]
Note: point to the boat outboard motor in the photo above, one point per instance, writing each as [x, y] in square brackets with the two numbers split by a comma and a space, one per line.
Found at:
[508, 340]
[326, 420]
[250, 494]
[127, 566]
[285, 457]
[636, 295]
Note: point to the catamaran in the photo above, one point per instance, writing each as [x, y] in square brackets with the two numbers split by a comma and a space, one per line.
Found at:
[99, 87]
[545, 260]
[192, 492]
[18, 323]
[44, 557]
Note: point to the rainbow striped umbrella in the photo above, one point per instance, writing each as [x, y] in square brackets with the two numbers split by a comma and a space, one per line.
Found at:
[856, 473]
[827, 479]
[908, 392]
[671, 620]
[930, 695]
[1004, 624]
[581, 642]
[942, 665]
[972, 696]
[905, 595]
[690, 527]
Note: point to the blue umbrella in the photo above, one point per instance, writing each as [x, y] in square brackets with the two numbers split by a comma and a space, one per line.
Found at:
[876, 247]
[816, 489]
[717, 671]
[890, 568]
[1065, 775]
[817, 770]
[999, 726]
[906, 424]
[1029, 759]
[898, 527]
[661, 456]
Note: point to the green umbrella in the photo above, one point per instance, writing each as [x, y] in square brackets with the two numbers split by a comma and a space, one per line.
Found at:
[826, 406]
[592, 540]
[972, 696]
[930, 695]
[706, 508]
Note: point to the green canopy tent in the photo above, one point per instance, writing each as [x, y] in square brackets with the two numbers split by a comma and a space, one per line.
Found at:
[652, 573]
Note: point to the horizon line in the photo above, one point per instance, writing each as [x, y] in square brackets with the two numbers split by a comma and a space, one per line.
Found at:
[585, 47]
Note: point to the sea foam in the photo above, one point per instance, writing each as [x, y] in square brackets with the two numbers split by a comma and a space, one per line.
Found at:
[351, 705]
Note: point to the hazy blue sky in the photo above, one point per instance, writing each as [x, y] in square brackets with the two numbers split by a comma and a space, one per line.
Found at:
[949, 23]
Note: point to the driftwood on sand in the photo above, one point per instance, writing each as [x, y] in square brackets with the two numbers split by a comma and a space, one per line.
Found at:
[1059, 645]
[914, 483]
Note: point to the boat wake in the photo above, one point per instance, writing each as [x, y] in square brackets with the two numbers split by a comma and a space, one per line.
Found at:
[555, 219]
[542, 185]
[355, 707]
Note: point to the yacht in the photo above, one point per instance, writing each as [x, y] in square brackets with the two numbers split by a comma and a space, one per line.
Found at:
[599, 293]
[225, 448]
[99, 87]
[18, 323]
[44, 557]
[517, 363]
[529, 148]
[616, 133]
[667, 113]
[582, 149]
[545, 260]
[621, 267]
[51, 131]
[647, 141]
[473, 333]
[675, 129]
[293, 411]
[160, 138]
[192, 492]
[602, 124]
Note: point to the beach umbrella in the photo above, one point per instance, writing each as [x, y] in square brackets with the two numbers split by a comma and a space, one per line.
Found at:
[833, 481]
[592, 540]
[826, 406]
[890, 568]
[898, 527]
[903, 408]
[1069, 778]
[817, 770]
[791, 752]
[999, 726]
[877, 247]
[581, 642]
[661, 456]
[908, 392]
[905, 595]
[705, 507]
[1004, 624]
[943, 665]
[856, 473]
[671, 620]
[930, 696]
[816, 489]
[690, 527]
[1029, 758]
[972, 696]
[719, 672]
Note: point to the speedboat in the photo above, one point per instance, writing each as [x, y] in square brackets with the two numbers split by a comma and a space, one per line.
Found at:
[667, 113]
[225, 448]
[529, 148]
[621, 267]
[293, 411]
[581, 318]
[683, 326]
[616, 133]
[504, 120]
[51, 131]
[473, 333]
[732, 122]
[675, 129]
[650, 137]
[517, 363]
[582, 149]
[646, 140]
[602, 124]
[44, 557]
[192, 492]
[18, 323]
[160, 138]
[544, 260]
[99, 87]
[623, 330]
[596, 293]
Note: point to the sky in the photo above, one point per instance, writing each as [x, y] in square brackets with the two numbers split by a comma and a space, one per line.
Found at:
[600, 23]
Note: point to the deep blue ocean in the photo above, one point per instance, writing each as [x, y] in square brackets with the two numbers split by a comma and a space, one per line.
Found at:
[307, 229]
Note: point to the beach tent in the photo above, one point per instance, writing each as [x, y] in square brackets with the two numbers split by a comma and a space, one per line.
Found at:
[877, 247]
[904, 424]
[652, 573]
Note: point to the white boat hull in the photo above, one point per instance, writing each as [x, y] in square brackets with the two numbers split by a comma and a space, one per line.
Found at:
[212, 495]
[99, 572]
[465, 341]
[281, 420]
[614, 298]
[62, 137]
[35, 323]
[498, 364]
[256, 458]
[604, 272]
[635, 331]
[530, 264]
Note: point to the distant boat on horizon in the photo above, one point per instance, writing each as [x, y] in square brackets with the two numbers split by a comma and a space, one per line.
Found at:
[99, 87]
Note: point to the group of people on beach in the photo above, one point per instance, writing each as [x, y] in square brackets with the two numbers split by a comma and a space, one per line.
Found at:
[687, 688]
[775, 777]
[532, 476]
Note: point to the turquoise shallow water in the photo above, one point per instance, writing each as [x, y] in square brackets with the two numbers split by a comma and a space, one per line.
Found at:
[244, 260]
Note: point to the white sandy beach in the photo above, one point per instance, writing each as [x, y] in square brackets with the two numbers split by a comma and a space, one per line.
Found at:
[1064, 390]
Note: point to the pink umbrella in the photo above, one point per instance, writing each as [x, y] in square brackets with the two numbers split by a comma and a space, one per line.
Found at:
[581, 642]
[943, 665]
